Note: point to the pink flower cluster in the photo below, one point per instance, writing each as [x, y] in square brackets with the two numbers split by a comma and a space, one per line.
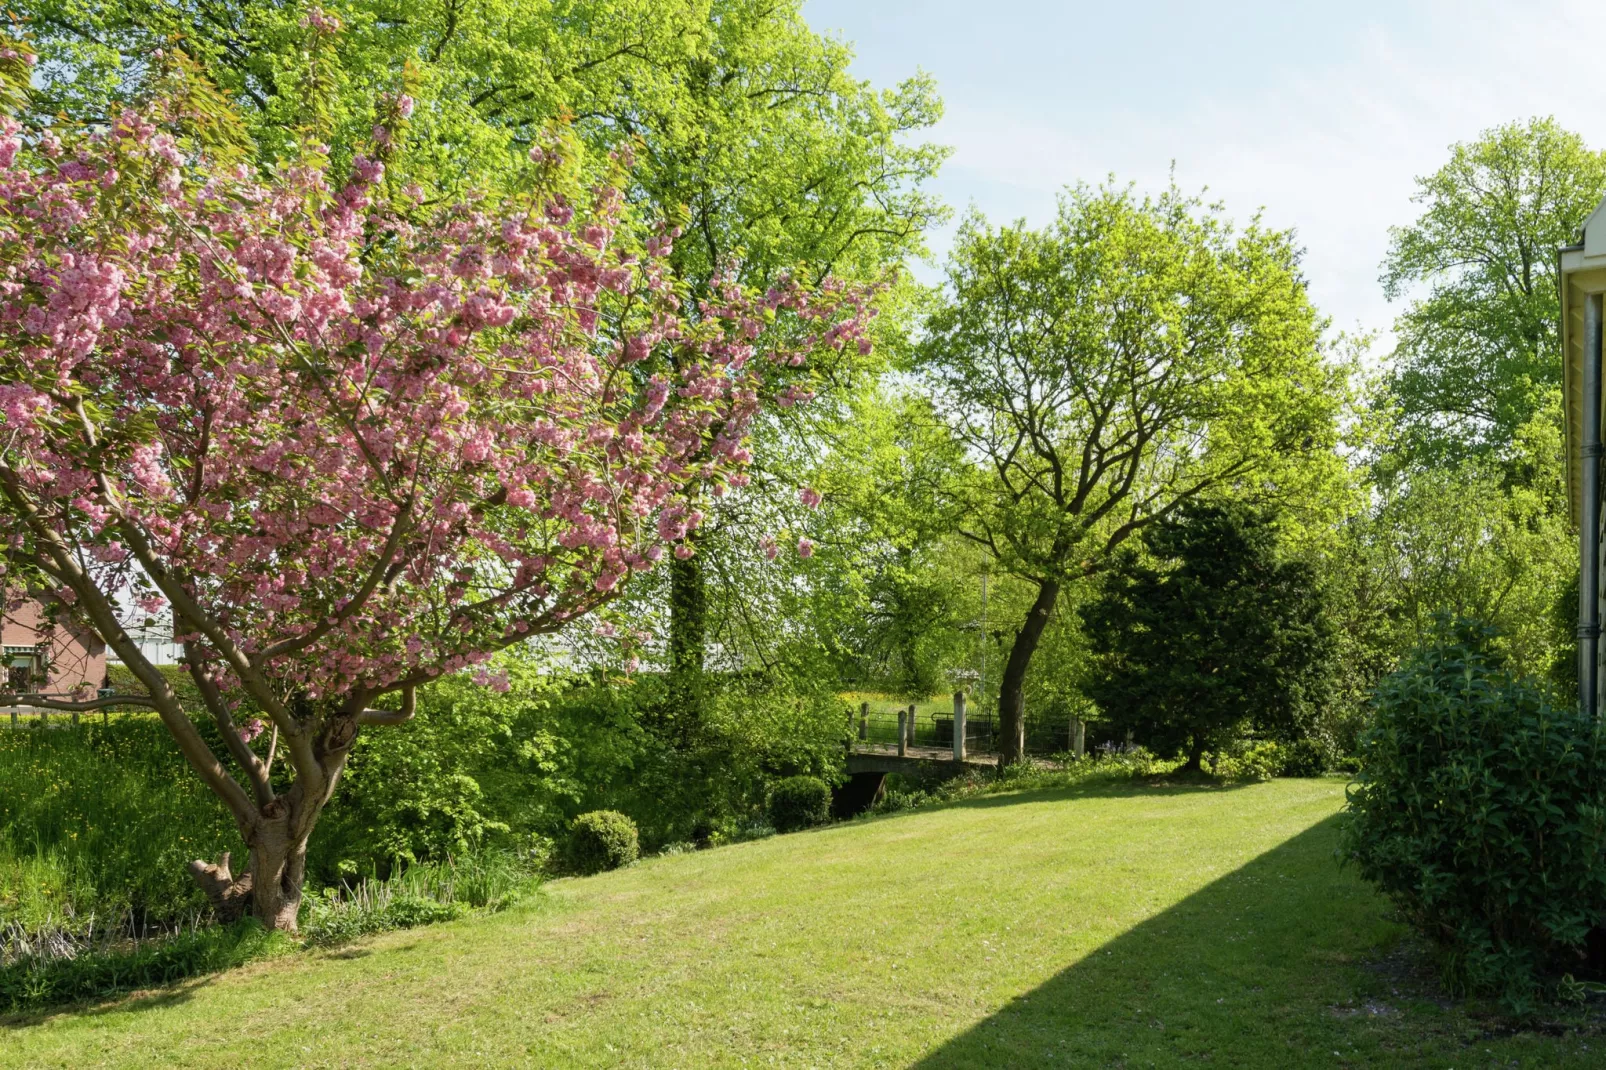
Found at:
[360, 441]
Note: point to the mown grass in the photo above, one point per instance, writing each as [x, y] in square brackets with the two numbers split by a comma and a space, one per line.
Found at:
[1104, 925]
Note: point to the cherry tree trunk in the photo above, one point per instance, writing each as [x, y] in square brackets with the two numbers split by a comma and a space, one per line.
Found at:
[278, 869]
[1012, 689]
[270, 889]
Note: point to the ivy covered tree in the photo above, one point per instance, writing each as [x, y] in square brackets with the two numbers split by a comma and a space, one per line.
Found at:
[1207, 634]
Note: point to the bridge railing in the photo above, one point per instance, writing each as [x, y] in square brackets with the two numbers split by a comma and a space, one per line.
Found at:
[930, 726]
[923, 730]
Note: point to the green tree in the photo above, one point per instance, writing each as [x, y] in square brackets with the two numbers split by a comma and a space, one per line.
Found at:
[1483, 538]
[1479, 349]
[1100, 373]
[913, 579]
[1210, 634]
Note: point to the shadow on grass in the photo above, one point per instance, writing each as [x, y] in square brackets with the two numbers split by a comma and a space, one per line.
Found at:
[1100, 787]
[1092, 787]
[110, 1003]
[1255, 969]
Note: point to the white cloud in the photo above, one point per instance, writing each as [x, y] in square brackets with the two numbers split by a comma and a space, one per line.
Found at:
[1328, 142]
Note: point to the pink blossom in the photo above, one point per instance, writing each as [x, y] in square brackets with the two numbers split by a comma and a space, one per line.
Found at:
[473, 431]
[805, 547]
[809, 497]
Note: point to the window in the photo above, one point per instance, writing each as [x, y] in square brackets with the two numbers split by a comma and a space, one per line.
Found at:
[23, 669]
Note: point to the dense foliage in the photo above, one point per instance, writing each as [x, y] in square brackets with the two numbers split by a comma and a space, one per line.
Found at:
[799, 802]
[1209, 634]
[601, 840]
[98, 822]
[510, 769]
[1480, 810]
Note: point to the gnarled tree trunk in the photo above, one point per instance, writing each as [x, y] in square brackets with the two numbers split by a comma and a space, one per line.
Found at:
[277, 830]
[1012, 689]
[270, 889]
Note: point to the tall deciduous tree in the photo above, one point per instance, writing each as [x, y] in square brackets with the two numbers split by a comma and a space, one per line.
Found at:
[356, 441]
[1478, 350]
[1209, 634]
[1104, 371]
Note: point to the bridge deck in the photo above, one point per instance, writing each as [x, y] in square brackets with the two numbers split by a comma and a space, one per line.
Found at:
[884, 758]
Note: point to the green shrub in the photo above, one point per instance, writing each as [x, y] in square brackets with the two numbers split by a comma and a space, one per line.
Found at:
[1303, 758]
[799, 802]
[1480, 810]
[1254, 761]
[894, 801]
[602, 840]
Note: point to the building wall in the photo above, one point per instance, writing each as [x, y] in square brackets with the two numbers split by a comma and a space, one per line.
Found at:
[71, 657]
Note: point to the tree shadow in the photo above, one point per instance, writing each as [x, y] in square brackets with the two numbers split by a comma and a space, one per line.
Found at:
[1114, 787]
[1263, 967]
[144, 999]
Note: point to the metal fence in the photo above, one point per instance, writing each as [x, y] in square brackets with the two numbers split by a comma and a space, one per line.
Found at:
[39, 714]
[933, 728]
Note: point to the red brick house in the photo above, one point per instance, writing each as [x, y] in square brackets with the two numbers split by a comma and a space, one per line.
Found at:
[42, 657]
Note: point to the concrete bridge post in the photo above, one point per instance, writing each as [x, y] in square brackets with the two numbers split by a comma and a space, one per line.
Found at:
[903, 737]
[959, 726]
[864, 722]
[1078, 736]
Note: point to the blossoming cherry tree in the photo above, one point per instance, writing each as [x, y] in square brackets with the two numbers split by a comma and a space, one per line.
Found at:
[356, 441]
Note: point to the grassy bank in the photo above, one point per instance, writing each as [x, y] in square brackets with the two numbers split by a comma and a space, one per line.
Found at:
[1101, 926]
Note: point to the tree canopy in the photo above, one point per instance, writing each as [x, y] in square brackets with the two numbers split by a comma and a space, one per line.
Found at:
[356, 440]
[1479, 343]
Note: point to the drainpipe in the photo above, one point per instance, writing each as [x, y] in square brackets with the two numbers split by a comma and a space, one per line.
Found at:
[1589, 522]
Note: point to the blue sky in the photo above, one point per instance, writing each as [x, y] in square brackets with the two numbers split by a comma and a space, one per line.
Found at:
[1319, 113]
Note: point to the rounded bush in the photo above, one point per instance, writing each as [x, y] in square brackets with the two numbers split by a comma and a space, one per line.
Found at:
[800, 802]
[602, 840]
[1480, 810]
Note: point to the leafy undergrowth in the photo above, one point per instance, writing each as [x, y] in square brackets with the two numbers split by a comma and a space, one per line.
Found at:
[37, 981]
[45, 967]
[1127, 923]
[416, 895]
[1134, 767]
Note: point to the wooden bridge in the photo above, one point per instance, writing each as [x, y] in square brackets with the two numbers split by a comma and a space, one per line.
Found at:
[950, 746]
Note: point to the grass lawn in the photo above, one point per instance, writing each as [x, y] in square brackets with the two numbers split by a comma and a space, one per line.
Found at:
[1132, 926]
